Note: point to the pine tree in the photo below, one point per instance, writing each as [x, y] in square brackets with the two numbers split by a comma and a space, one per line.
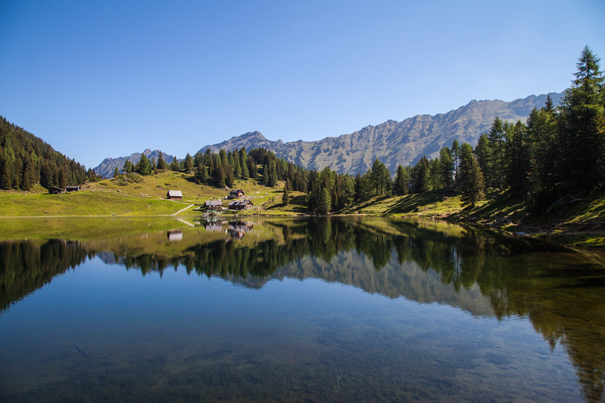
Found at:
[229, 178]
[357, 187]
[127, 166]
[224, 160]
[17, 171]
[46, 175]
[544, 156]
[380, 175]
[201, 175]
[27, 182]
[422, 176]
[188, 163]
[272, 174]
[582, 125]
[324, 202]
[219, 177]
[456, 157]
[161, 165]
[5, 173]
[144, 166]
[348, 190]
[286, 197]
[243, 158]
[496, 137]
[252, 169]
[471, 177]
[401, 185]
[116, 172]
[446, 168]
[518, 160]
[62, 178]
[265, 179]
[483, 155]
[208, 161]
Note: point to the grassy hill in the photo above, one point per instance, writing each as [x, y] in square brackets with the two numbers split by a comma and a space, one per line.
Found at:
[129, 194]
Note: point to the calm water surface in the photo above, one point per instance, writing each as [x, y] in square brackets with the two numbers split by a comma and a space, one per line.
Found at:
[129, 310]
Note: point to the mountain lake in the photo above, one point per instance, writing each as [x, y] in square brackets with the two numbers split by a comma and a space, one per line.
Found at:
[350, 309]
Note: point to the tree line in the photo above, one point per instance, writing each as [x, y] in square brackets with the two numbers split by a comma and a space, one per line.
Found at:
[26, 160]
[223, 168]
[560, 150]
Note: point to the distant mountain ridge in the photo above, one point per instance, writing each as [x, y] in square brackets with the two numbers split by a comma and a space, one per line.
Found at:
[108, 165]
[393, 142]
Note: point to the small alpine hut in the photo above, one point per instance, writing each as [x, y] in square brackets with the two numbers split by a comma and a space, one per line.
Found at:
[240, 205]
[174, 195]
[72, 188]
[214, 205]
[53, 190]
[235, 194]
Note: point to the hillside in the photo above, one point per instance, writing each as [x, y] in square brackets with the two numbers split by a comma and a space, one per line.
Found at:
[26, 159]
[130, 194]
[393, 142]
[106, 168]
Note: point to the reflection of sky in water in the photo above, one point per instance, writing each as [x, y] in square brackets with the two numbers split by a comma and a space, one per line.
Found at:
[188, 337]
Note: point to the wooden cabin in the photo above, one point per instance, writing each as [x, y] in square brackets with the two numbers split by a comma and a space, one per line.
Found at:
[53, 190]
[214, 205]
[73, 188]
[236, 194]
[174, 195]
[240, 205]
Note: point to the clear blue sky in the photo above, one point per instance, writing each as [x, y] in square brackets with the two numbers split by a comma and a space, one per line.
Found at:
[100, 79]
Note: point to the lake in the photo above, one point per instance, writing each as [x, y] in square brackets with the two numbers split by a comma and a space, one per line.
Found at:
[302, 310]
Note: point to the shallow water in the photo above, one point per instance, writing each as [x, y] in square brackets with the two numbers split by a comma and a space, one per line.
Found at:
[300, 310]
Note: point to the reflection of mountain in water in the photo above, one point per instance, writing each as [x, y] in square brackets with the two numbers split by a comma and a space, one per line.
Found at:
[561, 292]
[393, 280]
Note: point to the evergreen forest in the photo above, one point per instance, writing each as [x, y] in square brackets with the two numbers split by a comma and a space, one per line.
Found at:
[26, 160]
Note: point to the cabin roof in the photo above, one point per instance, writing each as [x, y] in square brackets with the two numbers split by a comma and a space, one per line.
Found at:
[175, 193]
[240, 202]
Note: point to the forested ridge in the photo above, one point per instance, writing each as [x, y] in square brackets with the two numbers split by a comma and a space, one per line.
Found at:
[559, 152]
[26, 160]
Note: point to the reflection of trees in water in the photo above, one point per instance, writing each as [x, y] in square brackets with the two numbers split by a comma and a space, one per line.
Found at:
[518, 276]
[26, 266]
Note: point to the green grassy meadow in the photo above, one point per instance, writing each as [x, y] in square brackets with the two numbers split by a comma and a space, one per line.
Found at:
[131, 195]
[126, 195]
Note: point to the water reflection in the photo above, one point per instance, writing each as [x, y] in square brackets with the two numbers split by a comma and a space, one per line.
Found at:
[486, 274]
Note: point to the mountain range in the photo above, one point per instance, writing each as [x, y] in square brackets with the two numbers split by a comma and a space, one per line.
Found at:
[392, 142]
[108, 165]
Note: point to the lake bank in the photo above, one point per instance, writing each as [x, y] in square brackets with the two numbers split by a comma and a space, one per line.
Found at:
[580, 224]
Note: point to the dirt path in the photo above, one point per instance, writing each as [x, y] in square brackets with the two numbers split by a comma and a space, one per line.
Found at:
[188, 207]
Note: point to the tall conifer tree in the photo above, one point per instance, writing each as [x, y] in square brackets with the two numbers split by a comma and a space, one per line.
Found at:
[471, 177]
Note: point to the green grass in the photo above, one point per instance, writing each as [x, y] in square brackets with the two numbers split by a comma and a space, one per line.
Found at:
[83, 203]
[425, 204]
[76, 228]
[129, 194]
[296, 206]
[157, 186]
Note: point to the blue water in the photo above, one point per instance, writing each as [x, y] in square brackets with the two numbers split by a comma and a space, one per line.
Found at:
[102, 333]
